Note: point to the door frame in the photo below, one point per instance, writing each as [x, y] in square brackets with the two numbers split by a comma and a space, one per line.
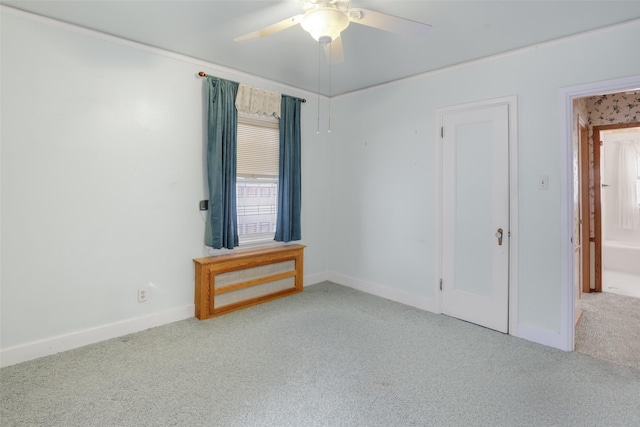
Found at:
[585, 209]
[512, 103]
[566, 337]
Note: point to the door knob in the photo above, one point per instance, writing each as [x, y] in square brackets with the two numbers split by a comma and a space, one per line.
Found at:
[499, 236]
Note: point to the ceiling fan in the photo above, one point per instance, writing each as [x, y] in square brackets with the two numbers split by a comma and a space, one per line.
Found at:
[326, 19]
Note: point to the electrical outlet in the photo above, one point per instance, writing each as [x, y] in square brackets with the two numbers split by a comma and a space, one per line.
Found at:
[143, 294]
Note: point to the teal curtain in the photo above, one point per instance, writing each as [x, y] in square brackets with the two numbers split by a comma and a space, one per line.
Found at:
[221, 229]
[289, 188]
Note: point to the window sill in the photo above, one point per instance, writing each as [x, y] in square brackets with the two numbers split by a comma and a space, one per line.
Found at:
[255, 244]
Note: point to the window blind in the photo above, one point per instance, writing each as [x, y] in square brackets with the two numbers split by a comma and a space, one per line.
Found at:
[258, 147]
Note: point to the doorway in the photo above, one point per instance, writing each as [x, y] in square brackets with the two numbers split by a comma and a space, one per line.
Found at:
[606, 328]
[628, 86]
[606, 111]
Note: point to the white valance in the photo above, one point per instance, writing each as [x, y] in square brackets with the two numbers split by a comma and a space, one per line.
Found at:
[252, 100]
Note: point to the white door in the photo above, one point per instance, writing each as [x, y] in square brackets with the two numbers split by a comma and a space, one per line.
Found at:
[475, 215]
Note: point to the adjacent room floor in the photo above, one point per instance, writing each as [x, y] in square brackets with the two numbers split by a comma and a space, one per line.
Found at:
[609, 328]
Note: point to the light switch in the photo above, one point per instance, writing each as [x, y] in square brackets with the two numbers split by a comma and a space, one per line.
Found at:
[543, 182]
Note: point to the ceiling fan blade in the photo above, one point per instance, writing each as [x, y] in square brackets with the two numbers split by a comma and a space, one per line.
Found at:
[390, 23]
[334, 51]
[271, 29]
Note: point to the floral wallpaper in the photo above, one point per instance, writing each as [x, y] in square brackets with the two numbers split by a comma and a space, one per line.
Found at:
[613, 108]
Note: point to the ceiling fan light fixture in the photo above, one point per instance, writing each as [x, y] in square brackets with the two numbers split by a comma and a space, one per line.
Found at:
[325, 24]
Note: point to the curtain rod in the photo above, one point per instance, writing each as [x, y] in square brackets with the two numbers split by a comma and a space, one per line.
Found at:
[203, 74]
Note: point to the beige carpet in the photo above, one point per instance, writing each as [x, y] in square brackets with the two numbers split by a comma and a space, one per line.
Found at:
[610, 328]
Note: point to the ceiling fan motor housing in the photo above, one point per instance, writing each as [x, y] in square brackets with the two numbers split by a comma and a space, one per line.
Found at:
[325, 23]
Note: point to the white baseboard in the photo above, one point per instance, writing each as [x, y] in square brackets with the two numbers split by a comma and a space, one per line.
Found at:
[422, 302]
[46, 347]
[25, 352]
[22, 353]
[539, 336]
[544, 337]
[314, 279]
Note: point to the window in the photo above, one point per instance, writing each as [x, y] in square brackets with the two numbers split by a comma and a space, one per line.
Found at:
[257, 177]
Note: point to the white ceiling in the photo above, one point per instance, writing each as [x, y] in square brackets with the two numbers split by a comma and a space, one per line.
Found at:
[462, 31]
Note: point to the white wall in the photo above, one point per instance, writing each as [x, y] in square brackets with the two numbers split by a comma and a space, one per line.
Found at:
[102, 171]
[382, 183]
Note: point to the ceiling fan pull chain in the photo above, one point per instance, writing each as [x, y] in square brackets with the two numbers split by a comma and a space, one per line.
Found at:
[318, 93]
[330, 62]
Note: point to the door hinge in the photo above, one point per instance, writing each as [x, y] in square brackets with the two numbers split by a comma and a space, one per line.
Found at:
[440, 284]
[441, 131]
[601, 143]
